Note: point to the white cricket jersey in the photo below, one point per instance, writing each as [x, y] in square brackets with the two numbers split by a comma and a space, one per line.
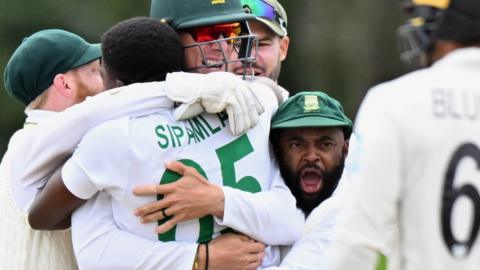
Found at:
[120, 154]
[58, 135]
[415, 178]
[24, 193]
[33, 155]
[100, 244]
[21, 247]
[310, 251]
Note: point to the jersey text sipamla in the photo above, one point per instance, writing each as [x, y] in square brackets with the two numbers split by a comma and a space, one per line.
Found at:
[195, 130]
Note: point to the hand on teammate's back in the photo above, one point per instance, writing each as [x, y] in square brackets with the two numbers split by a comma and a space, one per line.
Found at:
[235, 252]
[191, 197]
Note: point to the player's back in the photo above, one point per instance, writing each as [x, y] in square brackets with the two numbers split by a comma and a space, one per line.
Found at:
[437, 113]
[134, 151]
[204, 142]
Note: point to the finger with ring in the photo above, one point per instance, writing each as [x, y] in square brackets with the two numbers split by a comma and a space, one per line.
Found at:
[163, 213]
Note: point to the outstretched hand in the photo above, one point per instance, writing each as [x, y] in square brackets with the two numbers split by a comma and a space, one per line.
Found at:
[191, 197]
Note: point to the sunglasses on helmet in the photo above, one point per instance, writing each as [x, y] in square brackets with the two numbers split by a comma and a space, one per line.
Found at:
[261, 8]
[229, 31]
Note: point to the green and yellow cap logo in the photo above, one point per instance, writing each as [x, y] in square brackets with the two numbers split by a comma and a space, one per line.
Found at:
[311, 103]
[311, 109]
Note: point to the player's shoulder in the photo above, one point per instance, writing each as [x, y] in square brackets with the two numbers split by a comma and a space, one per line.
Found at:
[324, 215]
[402, 91]
[108, 131]
[20, 136]
[406, 83]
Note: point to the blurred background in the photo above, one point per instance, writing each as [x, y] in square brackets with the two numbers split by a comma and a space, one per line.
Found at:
[342, 47]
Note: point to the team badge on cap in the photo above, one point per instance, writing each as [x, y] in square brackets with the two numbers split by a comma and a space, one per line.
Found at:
[443, 4]
[311, 103]
[216, 2]
[311, 109]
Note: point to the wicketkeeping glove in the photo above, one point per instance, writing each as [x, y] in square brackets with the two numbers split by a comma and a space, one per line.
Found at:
[214, 93]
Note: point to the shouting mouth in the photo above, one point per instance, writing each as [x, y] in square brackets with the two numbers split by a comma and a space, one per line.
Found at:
[311, 180]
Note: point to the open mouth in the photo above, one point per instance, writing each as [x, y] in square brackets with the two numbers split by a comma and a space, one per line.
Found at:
[212, 63]
[311, 180]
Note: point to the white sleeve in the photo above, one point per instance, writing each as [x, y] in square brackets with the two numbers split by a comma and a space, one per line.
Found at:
[58, 136]
[99, 244]
[368, 219]
[281, 94]
[309, 252]
[188, 88]
[267, 95]
[269, 216]
[100, 162]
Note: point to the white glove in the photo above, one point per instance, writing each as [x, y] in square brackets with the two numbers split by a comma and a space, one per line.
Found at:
[214, 93]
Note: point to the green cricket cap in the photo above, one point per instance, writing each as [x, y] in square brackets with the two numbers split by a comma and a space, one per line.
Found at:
[311, 109]
[181, 14]
[43, 55]
[269, 12]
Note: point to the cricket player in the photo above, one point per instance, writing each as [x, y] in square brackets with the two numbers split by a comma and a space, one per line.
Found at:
[61, 71]
[414, 202]
[270, 27]
[168, 261]
[84, 177]
[51, 70]
[269, 23]
[310, 134]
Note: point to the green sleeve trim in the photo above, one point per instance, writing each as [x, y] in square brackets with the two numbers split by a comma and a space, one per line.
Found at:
[382, 262]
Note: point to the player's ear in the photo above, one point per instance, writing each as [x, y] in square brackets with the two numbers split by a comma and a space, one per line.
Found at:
[345, 147]
[284, 42]
[63, 85]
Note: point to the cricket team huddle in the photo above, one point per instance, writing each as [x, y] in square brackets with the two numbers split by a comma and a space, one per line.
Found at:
[170, 145]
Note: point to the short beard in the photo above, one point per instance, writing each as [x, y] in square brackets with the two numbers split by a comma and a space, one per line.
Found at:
[274, 74]
[83, 91]
[329, 183]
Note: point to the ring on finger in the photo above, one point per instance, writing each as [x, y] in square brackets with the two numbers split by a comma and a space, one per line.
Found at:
[164, 214]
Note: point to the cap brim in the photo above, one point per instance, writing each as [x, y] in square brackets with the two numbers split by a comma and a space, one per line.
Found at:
[226, 18]
[93, 53]
[310, 121]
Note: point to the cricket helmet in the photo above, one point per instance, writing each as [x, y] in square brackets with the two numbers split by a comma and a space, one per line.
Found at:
[181, 14]
[432, 20]
[184, 15]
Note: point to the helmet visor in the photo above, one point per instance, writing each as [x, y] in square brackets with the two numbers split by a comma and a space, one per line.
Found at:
[231, 31]
[222, 44]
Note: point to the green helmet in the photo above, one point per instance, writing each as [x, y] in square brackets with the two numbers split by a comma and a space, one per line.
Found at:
[182, 14]
[194, 14]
